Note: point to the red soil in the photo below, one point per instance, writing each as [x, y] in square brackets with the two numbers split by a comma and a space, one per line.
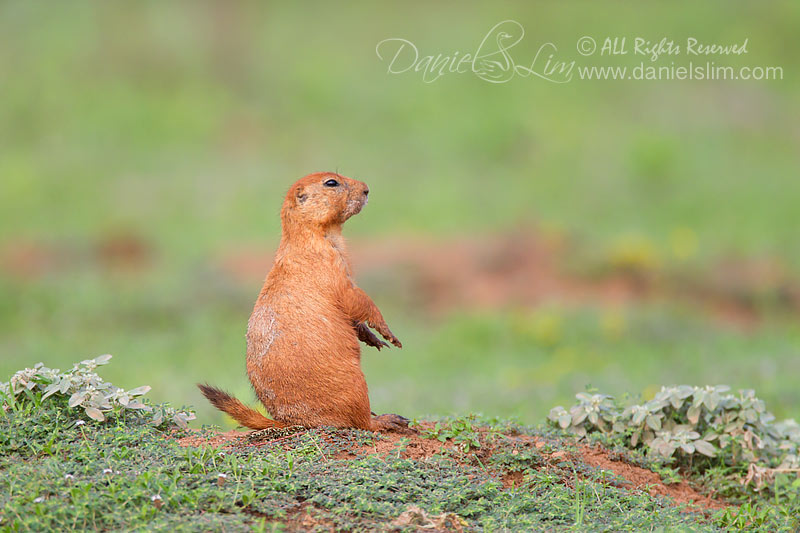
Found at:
[421, 449]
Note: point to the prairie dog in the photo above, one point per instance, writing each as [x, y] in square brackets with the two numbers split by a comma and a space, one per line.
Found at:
[303, 352]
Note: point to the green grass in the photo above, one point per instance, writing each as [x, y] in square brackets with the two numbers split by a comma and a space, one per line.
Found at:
[519, 364]
[123, 475]
[515, 363]
[63, 471]
[184, 125]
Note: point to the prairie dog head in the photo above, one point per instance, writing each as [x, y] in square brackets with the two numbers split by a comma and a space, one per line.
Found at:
[323, 200]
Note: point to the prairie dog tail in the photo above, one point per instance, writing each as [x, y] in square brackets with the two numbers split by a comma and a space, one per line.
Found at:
[237, 410]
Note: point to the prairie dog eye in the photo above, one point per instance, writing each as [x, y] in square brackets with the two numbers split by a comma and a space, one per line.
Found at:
[331, 183]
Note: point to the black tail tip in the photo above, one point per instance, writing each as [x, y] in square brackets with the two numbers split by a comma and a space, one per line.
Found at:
[213, 394]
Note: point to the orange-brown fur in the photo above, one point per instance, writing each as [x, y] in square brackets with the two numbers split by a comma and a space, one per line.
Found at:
[303, 352]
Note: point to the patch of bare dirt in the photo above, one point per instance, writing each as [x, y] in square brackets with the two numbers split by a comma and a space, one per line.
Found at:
[119, 251]
[300, 518]
[27, 260]
[122, 250]
[512, 479]
[217, 440]
[647, 481]
[303, 519]
[415, 447]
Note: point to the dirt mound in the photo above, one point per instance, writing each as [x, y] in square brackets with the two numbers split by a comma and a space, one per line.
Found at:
[197, 438]
[648, 481]
[418, 448]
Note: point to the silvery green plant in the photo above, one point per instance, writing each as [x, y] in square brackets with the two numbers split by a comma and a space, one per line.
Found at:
[86, 390]
[685, 421]
[592, 411]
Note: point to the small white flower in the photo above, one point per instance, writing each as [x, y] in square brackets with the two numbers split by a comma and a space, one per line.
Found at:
[69, 476]
[223, 476]
[40, 499]
[108, 471]
[80, 422]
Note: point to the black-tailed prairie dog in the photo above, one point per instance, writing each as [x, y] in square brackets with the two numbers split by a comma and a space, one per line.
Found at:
[303, 352]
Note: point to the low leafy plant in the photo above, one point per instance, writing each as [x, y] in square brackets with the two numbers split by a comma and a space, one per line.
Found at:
[757, 516]
[459, 430]
[685, 423]
[84, 389]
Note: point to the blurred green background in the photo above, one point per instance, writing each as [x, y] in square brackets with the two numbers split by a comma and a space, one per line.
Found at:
[145, 149]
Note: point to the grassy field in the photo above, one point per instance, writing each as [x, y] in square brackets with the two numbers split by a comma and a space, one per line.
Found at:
[525, 240]
[168, 486]
[62, 471]
[142, 146]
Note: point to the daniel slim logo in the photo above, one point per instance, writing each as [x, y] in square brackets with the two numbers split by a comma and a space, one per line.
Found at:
[493, 60]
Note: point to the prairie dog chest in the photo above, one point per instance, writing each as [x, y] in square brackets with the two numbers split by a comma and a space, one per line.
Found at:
[342, 260]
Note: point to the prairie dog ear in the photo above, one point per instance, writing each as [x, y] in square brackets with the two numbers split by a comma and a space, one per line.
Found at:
[300, 195]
